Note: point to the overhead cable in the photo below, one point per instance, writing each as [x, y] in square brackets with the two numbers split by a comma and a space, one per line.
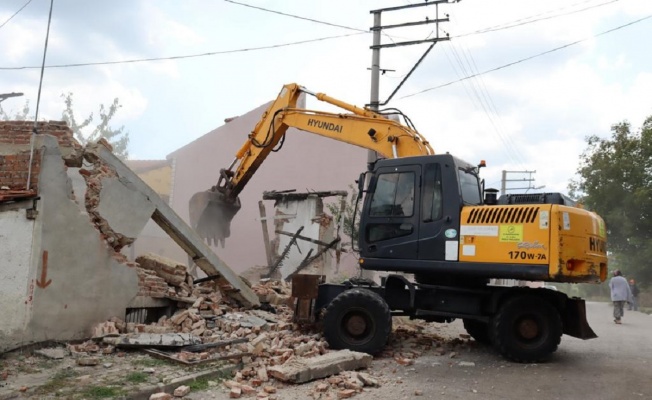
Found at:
[527, 58]
[16, 13]
[296, 16]
[529, 20]
[212, 53]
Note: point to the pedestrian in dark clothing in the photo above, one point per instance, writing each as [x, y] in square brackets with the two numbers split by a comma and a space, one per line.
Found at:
[633, 306]
[620, 294]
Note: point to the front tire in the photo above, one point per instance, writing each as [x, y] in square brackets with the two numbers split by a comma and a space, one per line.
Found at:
[358, 320]
[526, 329]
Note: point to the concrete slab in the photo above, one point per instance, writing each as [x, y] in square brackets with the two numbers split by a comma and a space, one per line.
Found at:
[115, 198]
[302, 370]
[154, 340]
[180, 232]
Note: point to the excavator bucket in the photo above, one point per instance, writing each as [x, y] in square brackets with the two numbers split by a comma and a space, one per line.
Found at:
[211, 214]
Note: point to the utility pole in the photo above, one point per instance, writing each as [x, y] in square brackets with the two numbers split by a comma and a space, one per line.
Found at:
[374, 100]
[529, 179]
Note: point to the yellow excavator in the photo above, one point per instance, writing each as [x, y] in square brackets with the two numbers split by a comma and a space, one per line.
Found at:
[211, 212]
[431, 216]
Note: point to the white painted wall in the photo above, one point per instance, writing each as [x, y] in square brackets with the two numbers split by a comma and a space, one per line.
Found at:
[300, 213]
[16, 237]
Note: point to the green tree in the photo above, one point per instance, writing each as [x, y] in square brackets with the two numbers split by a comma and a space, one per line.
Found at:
[615, 180]
[86, 131]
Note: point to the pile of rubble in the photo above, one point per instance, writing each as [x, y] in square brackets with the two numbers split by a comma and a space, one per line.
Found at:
[210, 327]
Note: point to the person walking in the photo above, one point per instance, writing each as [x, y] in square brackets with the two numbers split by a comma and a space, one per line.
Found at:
[633, 306]
[620, 294]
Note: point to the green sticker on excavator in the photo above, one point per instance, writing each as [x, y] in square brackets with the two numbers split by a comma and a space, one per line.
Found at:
[510, 233]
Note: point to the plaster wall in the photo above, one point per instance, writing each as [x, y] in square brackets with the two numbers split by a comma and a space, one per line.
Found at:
[16, 240]
[86, 284]
[298, 213]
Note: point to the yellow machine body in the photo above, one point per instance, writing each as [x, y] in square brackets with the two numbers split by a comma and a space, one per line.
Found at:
[570, 241]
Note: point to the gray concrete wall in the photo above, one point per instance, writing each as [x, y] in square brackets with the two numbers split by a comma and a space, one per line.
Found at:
[87, 284]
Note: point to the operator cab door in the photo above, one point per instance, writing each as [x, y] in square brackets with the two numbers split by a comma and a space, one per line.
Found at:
[440, 213]
[392, 220]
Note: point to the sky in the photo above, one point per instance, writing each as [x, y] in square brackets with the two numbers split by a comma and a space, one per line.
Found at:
[520, 83]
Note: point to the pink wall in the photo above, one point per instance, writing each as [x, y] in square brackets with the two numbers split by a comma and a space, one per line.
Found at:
[306, 162]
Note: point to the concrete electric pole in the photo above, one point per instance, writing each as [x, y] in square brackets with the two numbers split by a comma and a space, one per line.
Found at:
[374, 100]
[529, 180]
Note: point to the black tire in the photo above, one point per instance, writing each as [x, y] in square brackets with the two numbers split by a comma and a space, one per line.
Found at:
[358, 320]
[478, 330]
[526, 329]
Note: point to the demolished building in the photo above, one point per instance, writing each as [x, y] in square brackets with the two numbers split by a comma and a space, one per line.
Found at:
[61, 265]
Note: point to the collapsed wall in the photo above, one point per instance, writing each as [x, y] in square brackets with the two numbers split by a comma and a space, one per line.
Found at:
[66, 278]
[61, 265]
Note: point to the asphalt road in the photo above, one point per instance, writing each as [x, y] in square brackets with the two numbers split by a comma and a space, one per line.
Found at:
[617, 365]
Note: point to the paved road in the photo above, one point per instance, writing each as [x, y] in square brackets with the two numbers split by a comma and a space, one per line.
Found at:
[617, 365]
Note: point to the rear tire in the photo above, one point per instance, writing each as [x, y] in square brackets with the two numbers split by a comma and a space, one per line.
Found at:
[526, 329]
[358, 320]
[478, 330]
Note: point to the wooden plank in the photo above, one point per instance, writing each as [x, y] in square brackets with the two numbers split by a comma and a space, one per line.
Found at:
[263, 221]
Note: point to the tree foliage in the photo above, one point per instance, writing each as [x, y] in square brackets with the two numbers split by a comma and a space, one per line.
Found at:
[615, 180]
[85, 131]
[21, 115]
[118, 138]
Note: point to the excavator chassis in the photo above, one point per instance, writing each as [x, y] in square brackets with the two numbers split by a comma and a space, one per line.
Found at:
[523, 324]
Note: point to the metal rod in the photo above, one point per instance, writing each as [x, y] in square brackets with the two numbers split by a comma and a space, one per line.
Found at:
[408, 75]
[428, 3]
[427, 21]
[409, 43]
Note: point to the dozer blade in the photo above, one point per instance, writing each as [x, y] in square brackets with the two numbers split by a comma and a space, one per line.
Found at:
[211, 214]
[575, 323]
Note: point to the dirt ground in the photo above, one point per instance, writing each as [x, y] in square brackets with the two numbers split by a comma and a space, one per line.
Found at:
[616, 365]
[440, 361]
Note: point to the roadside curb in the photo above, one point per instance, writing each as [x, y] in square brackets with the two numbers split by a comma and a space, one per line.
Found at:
[169, 387]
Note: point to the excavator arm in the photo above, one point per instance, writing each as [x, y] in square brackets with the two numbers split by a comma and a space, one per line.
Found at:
[211, 212]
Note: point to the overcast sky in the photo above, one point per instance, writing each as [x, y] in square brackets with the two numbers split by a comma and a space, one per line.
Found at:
[532, 115]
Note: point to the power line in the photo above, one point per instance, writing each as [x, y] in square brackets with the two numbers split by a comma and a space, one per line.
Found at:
[360, 31]
[529, 20]
[212, 53]
[16, 13]
[296, 16]
[528, 58]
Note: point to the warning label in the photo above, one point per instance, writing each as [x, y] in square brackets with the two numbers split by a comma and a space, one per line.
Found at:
[510, 233]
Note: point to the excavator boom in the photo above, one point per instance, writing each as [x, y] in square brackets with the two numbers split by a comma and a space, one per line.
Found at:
[211, 212]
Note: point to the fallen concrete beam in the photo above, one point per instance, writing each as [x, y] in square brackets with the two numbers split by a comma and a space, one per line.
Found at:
[180, 232]
[143, 340]
[302, 370]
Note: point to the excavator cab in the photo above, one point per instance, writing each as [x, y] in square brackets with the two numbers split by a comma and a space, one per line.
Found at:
[411, 214]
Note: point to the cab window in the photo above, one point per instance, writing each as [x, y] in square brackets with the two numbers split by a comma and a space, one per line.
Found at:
[432, 194]
[393, 198]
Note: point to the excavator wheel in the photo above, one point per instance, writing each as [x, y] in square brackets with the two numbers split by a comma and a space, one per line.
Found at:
[526, 329]
[359, 320]
[478, 330]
